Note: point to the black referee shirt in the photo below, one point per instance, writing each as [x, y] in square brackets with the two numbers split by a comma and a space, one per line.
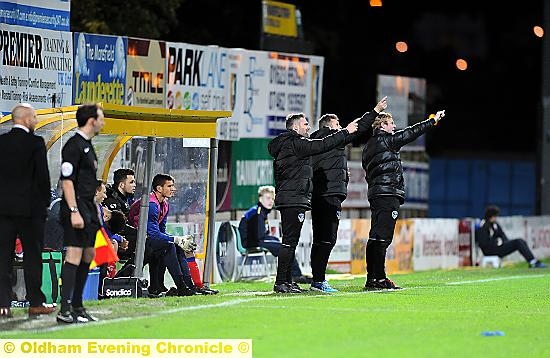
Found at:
[79, 164]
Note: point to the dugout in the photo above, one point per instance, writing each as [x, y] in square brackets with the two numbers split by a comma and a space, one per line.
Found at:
[181, 143]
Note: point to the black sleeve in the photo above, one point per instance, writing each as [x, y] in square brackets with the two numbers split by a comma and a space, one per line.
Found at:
[70, 155]
[409, 134]
[42, 171]
[305, 147]
[500, 233]
[365, 127]
[482, 237]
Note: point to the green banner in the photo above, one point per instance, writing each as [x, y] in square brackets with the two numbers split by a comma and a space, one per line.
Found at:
[251, 167]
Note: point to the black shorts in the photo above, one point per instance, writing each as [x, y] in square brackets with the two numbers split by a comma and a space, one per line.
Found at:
[80, 237]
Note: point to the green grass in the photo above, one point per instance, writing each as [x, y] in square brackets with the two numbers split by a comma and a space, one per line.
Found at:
[431, 317]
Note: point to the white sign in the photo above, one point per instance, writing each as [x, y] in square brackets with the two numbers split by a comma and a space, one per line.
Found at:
[197, 77]
[435, 244]
[36, 68]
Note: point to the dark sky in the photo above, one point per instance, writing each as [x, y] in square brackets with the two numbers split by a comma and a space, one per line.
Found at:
[492, 109]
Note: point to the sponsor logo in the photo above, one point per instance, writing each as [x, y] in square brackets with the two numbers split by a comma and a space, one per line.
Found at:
[394, 214]
[118, 293]
[301, 217]
[338, 213]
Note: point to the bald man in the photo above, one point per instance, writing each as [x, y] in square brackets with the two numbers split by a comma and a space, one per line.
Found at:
[25, 184]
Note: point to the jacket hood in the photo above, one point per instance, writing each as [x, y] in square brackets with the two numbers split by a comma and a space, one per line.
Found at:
[274, 147]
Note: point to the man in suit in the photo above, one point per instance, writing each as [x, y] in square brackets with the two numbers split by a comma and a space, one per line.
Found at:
[26, 182]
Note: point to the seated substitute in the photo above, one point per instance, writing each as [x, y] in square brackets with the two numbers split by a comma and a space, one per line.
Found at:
[493, 241]
[254, 229]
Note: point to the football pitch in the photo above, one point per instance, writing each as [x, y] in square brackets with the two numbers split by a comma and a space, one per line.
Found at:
[438, 314]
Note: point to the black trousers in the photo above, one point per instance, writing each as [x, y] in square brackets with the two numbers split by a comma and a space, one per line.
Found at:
[292, 220]
[325, 219]
[384, 214]
[31, 233]
[509, 247]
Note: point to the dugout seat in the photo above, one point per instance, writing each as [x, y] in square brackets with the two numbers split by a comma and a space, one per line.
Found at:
[249, 254]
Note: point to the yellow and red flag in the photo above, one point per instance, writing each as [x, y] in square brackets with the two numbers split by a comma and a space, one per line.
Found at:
[104, 250]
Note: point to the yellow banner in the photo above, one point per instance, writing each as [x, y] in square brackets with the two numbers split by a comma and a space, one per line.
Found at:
[126, 347]
[279, 18]
[399, 254]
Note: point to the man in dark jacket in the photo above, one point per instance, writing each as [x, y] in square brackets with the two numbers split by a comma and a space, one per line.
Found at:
[493, 241]
[25, 179]
[330, 181]
[386, 189]
[254, 229]
[121, 195]
[292, 151]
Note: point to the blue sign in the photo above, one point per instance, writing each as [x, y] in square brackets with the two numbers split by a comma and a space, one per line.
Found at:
[99, 68]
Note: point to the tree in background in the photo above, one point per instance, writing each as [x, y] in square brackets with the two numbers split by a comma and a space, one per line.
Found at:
[152, 19]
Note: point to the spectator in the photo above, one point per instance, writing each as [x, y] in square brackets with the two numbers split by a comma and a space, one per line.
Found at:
[25, 178]
[493, 241]
[254, 230]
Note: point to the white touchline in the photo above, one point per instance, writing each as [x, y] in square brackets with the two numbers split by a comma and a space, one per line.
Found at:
[116, 320]
[494, 279]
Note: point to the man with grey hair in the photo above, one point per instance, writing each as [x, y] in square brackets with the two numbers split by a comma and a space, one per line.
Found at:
[291, 152]
[26, 178]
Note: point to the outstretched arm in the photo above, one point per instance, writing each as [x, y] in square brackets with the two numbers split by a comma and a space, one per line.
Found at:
[409, 134]
[305, 147]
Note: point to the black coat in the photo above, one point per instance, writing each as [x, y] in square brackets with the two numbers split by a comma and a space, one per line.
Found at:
[330, 170]
[382, 163]
[24, 174]
[490, 236]
[292, 165]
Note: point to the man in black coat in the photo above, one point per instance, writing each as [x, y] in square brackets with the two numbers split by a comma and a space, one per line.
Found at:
[330, 181]
[386, 189]
[26, 182]
[493, 241]
[292, 151]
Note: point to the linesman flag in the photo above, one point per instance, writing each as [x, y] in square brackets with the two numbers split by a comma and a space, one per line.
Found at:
[104, 250]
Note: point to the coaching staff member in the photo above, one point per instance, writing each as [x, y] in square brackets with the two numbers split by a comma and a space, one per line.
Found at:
[330, 189]
[386, 189]
[291, 152]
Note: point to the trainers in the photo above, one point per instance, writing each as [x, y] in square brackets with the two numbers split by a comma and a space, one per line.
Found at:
[285, 288]
[65, 317]
[186, 291]
[322, 287]
[83, 316]
[206, 291]
[537, 264]
[385, 284]
[295, 286]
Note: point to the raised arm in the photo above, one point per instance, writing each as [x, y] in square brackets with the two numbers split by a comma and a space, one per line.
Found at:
[367, 119]
[409, 134]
